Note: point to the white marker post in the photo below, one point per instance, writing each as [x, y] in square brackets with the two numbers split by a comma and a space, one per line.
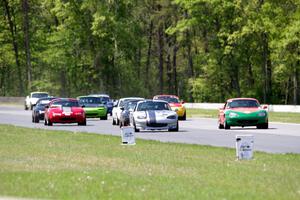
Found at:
[244, 147]
[127, 133]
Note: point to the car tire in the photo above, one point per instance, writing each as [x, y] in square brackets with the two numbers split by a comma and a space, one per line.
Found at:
[25, 107]
[118, 121]
[31, 107]
[113, 122]
[221, 126]
[103, 118]
[36, 119]
[49, 122]
[226, 126]
[184, 116]
[45, 122]
[82, 123]
[175, 129]
[263, 126]
[135, 129]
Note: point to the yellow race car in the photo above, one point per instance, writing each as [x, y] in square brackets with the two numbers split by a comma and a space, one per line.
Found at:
[175, 104]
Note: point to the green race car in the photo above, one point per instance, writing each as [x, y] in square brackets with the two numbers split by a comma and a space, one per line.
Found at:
[93, 107]
[243, 112]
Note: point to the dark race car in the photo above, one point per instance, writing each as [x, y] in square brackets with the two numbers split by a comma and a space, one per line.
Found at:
[127, 109]
[39, 110]
[106, 101]
[64, 110]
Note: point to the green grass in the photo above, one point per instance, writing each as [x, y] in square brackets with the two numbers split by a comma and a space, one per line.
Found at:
[273, 116]
[45, 164]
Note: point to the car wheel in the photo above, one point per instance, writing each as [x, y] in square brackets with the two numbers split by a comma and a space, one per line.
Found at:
[175, 129]
[82, 123]
[184, 116]
[226, 126]
[263, 126]
[32, 119]
[221, 126]
[45, 122]
[25, 107]
[49, 122]
[118, 121]
[121, 124]
[103, 118]
[135, 129]
[31, 107]
[36, 119]
[113, 122]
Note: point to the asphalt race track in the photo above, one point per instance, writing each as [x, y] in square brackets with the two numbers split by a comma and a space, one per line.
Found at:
[279, 138]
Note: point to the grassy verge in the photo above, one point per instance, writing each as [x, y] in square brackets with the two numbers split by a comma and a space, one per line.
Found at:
[63, 165]
[273, 116]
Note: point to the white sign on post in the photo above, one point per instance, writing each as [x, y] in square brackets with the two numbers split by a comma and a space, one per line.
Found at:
[244, 147]
[127, 133]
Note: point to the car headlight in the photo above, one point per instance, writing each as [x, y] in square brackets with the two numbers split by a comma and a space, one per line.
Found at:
[141, 116]
[171, 117]
[232, 114]
[262, 114]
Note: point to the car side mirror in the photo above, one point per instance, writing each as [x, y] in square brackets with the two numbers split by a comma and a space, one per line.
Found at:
[265, 107]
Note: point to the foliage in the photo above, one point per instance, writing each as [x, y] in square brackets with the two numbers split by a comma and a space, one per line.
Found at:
[201, 50]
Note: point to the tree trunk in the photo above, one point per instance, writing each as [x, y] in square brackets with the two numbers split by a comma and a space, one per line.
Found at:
[296, 81]
[267, 69]
[150, 33]
[13, 31]
[175, 49]
[27, 42]
[161, 58]
[149, 54]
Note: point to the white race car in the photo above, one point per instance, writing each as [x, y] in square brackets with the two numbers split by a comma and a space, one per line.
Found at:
[31, 100]
[116, 112]
[154, 115]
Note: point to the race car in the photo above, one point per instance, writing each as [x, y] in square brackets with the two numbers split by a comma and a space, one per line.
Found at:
[39, 109]
[93, 106]
[175, 104]
[243, 112]
[127, 109]
[154, 115]
[31, 100]
[106, 101]
[116, 112]
[64, 110]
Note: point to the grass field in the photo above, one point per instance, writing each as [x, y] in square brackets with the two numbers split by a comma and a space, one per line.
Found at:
[273, 116]
[44, 164]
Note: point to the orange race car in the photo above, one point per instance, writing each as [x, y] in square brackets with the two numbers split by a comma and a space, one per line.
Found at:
[174, 103]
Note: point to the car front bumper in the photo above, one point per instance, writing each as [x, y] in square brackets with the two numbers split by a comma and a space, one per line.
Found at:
[246, 121]
[143, 124]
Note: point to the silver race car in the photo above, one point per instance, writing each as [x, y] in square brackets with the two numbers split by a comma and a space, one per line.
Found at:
[154, 115]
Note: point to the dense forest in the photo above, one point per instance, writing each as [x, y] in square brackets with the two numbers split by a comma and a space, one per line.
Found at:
[201, 50]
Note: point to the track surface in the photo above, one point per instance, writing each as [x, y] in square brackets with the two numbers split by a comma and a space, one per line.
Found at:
[279, 138]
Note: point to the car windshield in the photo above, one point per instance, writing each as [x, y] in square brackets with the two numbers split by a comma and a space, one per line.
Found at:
[152, 105]
[122, 102]
[168, 99]
[65, 103]
[243, 103]
[130, 105]
[104, 99]
[39, 95]
[90, 100]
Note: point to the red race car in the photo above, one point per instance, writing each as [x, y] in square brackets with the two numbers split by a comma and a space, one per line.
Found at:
[64, 110]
